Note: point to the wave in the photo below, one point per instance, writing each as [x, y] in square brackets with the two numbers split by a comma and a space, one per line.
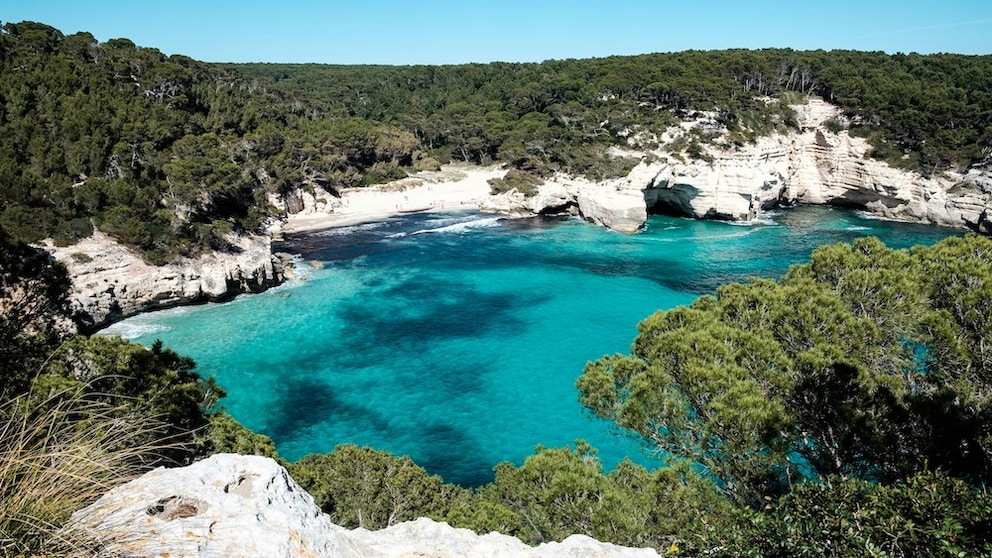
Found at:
[132, 329]
[761, 219]
[351, 229]
[456, 226]
[698, 238]
[302, 268]
[867, 215]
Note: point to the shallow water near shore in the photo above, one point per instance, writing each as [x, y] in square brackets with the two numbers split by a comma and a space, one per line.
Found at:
[457, 338]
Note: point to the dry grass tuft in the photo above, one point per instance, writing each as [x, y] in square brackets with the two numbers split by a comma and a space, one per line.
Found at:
[58, 457]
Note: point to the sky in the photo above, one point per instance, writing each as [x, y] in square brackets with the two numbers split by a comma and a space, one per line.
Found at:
[461, 31]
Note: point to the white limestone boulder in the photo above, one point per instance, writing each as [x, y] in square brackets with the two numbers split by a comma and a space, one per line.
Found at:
[621, 210]
[248, 506]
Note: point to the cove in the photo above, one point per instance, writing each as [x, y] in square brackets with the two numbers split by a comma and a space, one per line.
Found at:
[456, 339]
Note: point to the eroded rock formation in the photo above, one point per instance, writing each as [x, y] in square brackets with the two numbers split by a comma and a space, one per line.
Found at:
[233, 505]
[812, 165]
[111, 282]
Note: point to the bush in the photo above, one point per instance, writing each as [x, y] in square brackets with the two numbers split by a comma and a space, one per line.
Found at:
[363, 487]
[834, 125]
[227, 435]
[521, 181]
[929, 514]
[381, 173]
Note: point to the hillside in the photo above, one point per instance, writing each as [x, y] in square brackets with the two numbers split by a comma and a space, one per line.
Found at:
[170, 155]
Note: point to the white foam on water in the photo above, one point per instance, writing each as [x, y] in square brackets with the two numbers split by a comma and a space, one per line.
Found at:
[344, 231]
[132, 329]
[461, 226]
[761, 219]
[867, 215]
[302, 269]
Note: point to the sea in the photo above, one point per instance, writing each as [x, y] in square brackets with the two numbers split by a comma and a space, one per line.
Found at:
[457, 338]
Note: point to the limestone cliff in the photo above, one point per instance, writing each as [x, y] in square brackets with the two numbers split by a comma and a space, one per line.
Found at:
[232, 505]
[812, 165]
[111, 282]
[818, 166]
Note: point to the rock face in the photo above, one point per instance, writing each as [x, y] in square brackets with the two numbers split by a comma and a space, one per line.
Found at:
[813, 165]
[111, 282]
[816, 166]
[616, 204]
[232, 505]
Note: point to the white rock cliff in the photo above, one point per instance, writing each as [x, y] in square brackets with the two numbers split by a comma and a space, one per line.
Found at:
[247, 506]
[111, 282]
[812, 165]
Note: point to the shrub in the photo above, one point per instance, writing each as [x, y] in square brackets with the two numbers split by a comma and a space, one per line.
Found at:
[523, 182]
[834, 125]
[928, 514]
[363, 487]
[381, 173]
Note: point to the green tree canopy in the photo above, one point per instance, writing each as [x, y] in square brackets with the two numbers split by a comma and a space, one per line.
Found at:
[866, 362]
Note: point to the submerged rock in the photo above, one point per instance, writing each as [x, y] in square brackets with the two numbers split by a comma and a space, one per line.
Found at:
[233, 505]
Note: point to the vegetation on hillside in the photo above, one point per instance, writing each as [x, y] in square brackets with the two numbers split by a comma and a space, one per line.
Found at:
[924, 112]
[166, 154]
[170, 155]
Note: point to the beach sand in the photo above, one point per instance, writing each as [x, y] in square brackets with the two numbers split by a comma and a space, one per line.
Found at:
[454, 187]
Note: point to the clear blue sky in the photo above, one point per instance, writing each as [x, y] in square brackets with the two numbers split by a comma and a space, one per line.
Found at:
[457, 31]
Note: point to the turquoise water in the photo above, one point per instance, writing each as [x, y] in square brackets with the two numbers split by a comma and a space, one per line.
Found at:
[457, 338]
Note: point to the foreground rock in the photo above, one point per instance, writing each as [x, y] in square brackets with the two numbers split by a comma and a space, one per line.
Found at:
[111, 282]
[232, 505]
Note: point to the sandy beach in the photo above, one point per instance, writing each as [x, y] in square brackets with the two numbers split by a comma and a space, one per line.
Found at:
[454, 187]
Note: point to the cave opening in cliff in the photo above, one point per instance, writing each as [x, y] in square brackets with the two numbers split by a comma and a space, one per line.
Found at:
[662, 207]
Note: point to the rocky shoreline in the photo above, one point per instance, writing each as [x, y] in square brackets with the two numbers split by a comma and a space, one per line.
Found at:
[111, 282]
[814, 165]
[818, 164]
